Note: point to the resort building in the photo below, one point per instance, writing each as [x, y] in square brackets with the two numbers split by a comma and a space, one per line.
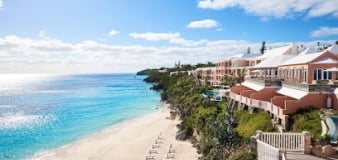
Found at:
[289, 79]
[234, 66]
[206, 75]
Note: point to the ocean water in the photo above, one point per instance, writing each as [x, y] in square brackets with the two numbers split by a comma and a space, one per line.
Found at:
[47, 114]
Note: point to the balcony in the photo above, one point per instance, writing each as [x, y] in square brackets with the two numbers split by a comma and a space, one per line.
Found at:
[265, 82]
[323, 87]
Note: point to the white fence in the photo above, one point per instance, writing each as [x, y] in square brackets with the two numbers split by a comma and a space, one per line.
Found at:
[272, 145]
[266, 151]
[284, 141]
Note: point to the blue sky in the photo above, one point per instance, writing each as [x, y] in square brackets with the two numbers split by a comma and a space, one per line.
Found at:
[80, 36]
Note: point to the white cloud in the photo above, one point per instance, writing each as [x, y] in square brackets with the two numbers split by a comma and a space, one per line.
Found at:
[277, 8]
[325, 31]
[216, 4]
[1, 4]
[219, 29]
[174, 38]
[113, 32]
[43, 34]
[150, 36]
[324, 7]
[206, 23]
[189, 43]
[47, 55]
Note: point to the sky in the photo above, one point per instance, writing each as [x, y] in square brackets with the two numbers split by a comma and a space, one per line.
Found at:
[119, 36]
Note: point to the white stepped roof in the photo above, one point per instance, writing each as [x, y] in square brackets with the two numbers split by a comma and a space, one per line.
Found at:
[278, 55]
[276, 51]
[274, 61]
[326, 61]
[308, 51]
[300, 59]
[294, 93]
[251, 55]
[333, 49]
[246, 56]
[253, 86]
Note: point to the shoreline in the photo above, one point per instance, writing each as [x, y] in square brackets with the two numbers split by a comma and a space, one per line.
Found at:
[132, 139]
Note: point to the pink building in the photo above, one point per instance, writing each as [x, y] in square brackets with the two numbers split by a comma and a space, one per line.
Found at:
[206, 75]
[234, 65]
[287, 80]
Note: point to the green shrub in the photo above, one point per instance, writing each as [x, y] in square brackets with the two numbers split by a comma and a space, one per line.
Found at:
[248, 123]
[325, 139]
[306, 120]
[243, 156]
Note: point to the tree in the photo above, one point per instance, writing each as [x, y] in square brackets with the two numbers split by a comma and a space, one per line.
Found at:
[337, 42]
[249, 50]
[230, 81]
[263, 47]
[240, 77]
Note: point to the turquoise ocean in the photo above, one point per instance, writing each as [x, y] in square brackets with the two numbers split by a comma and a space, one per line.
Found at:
[49, 114]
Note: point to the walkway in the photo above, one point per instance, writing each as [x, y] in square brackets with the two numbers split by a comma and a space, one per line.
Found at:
[297, 156]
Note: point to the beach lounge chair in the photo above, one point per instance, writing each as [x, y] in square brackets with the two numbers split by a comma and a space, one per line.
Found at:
[157, 141]
[170, 155]
[155, 146]
[171, 150]
[151, 151]
[150, 158]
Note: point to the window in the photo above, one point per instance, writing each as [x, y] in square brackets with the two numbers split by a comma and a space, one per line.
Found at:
[305, 75]
[321, 74]
[315, 74]
[329, 75]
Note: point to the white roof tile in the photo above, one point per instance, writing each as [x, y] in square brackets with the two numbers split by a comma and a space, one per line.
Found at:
[333, 49]
[326, 61]
[274, 61]
[245, 56]
[276, 51]
[300, 59]
[294, 93]
[308, 51]
[253, 86]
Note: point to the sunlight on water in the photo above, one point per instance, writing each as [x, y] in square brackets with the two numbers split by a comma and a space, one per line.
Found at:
[42, 112]
[21, 120]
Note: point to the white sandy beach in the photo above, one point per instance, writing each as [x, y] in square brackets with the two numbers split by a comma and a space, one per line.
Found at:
[130, 140]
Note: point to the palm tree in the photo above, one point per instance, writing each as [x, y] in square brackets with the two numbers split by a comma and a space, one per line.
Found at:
[240, 77]
[229, 80]
[263, 47]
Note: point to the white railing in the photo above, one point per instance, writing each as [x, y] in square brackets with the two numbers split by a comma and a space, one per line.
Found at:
[232, 95]
[275, 110]
[264, 105]
[244, 100]
[268, 106]
[284, 141]
[266, 151]
[280, 111]
[255, 102]
[274, 145]
[248, 101]
[238, 98]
